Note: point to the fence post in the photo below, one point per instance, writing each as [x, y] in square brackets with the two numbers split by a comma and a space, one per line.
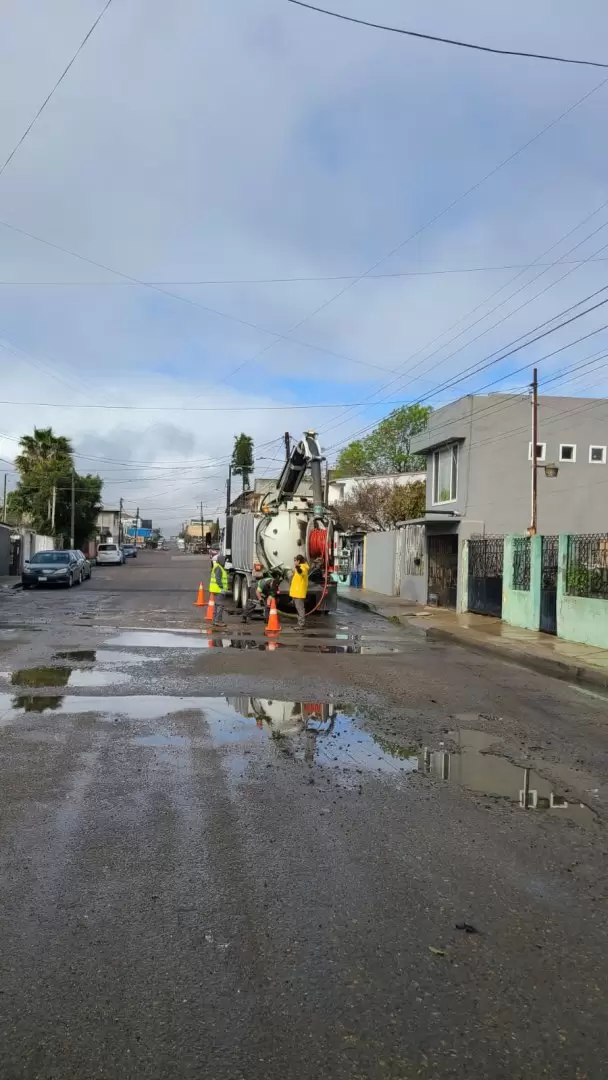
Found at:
[536, 578]
[562, 570]
[462, 601]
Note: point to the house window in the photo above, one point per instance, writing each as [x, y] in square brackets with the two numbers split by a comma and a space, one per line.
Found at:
[445, 474]
[567, 452]
[597, 455]
[541, 450]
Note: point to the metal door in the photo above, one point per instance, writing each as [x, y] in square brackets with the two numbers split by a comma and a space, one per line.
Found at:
[548, 587]
[443, 570]
[485, 574]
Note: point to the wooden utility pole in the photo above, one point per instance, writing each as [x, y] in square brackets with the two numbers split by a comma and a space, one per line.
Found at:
[229, 491]
[73, 511]
[120, 506]
[53, 506]
[533, 517]
[202, 526]
[4, 500]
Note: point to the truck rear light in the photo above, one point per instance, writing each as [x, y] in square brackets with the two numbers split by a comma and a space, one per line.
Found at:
[257, 566]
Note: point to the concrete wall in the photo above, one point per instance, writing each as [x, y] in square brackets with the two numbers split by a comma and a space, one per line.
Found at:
[493, 434]
[379, 568]
[5, 550]
[522, 607]
[579, 618]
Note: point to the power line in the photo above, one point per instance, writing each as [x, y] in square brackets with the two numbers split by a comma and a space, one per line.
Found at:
[444, 40]
[195, 282]
[55, 87]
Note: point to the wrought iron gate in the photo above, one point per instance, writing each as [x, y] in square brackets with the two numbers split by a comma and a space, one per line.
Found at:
[548, 587]
[485, 574]
[443, 570]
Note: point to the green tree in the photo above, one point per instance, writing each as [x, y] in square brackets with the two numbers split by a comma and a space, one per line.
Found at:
[387, 449]
[45, 465]
[242, 458]
[378, 506]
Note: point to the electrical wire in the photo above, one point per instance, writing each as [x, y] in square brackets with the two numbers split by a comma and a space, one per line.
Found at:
[446, 41]
[55, 87]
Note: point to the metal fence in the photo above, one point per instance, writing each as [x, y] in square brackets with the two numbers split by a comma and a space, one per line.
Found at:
[587, 566]
[486, 554]
[521, 563]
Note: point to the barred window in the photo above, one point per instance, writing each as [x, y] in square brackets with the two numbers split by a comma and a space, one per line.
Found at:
[587, 566]
[521, 563]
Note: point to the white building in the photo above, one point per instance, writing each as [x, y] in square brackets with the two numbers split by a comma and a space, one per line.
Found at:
[345, 486]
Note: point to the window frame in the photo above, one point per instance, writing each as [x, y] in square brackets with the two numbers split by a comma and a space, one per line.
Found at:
[567, 460]
[597, 446]
[454, 451]
[541, 458]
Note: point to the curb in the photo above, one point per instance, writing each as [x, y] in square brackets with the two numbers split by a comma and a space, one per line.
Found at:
[542, 665]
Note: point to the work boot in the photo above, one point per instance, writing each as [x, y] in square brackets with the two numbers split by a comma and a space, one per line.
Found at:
[219, 625]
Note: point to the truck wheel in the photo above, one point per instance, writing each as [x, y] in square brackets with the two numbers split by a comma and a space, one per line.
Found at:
[244, 597]
[236, 589]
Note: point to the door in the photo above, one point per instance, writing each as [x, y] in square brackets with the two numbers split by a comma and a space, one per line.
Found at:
[485, 574]
[548, 585]
[443, 570]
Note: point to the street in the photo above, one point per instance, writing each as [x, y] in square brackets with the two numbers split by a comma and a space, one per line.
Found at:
[200, 880]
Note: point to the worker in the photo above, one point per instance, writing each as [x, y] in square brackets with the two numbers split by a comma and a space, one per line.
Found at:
[219, 585]
[298, 588]
[266, 587]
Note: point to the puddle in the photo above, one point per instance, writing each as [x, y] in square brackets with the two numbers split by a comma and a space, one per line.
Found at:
[472, 767]
[160, 740]
[176, 639]
[65, 676]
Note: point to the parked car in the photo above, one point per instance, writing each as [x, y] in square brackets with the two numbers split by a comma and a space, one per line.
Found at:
[129, 551]
[110, 555]
[86, 564]
[53, 568]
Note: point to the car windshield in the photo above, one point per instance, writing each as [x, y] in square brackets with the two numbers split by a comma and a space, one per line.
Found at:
[50, 557]
[107, 547]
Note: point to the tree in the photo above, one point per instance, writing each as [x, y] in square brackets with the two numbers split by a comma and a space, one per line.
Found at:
[387, 449]
[380, 506]
[242, 458]
[45, 465]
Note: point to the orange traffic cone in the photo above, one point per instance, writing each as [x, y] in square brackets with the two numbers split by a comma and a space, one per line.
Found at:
[200, 600]
[273, 625]
[210, 609]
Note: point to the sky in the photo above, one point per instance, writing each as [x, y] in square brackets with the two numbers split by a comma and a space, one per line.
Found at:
[236, 216]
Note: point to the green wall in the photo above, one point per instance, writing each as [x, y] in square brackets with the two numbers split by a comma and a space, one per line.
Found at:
[579, 618]
[519, 607]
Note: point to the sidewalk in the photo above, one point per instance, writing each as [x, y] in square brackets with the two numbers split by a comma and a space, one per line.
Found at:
[539, 652]
[7, 582]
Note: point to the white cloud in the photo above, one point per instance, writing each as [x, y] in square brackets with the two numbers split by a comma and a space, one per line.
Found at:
[241, 140]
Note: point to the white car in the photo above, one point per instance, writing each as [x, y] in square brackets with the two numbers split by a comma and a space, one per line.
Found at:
[110, 555]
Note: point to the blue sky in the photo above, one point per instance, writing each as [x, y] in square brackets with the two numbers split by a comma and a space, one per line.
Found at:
[229, 141]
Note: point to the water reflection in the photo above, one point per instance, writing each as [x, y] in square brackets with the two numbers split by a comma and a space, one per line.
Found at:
[490, 774]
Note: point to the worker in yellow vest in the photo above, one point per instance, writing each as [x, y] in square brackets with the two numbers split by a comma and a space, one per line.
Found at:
[298, 588]
[219, 585]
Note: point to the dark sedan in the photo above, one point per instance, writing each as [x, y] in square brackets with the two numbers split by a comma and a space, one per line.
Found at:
[53, 568]
[129, 551]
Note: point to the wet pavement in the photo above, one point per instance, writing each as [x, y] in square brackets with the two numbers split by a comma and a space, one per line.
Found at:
[224, 859]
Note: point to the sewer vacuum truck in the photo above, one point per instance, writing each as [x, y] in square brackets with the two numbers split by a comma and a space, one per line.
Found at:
[275, 526]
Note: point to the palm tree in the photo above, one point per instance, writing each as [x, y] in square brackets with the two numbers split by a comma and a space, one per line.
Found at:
[44, 449]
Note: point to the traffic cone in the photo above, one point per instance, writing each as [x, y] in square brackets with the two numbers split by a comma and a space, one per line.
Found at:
[272, 645]
[200, 600]
[210, 609]
[273, 625]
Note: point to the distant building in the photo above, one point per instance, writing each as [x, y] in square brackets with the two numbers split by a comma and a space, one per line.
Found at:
[109, 520]
[345, 486]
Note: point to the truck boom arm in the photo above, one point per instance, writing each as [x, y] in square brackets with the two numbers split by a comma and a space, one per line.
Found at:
[304, 454]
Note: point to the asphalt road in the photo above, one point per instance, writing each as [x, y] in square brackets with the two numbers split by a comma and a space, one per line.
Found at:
[228, 861]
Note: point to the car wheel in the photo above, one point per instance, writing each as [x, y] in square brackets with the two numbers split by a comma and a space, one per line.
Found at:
[236, 589]
[79, 579]
[69, 582]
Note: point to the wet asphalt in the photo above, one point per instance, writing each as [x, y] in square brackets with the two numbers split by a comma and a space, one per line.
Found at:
[356, 855]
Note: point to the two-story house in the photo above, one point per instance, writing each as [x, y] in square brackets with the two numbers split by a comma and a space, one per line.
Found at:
[479, 467]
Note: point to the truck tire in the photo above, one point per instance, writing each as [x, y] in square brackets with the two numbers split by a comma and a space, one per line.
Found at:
[236, 589]
[244, 597]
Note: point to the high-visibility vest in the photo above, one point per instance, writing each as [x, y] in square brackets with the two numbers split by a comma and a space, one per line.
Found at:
[213, 585]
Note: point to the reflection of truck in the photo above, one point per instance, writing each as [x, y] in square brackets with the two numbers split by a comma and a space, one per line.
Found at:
[279, 524]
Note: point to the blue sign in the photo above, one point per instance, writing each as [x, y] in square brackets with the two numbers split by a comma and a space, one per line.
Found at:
[138, 532]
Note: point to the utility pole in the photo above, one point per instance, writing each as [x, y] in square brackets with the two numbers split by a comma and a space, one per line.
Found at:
[73, 511]
[53, 506]
[202, 527]
[136, 525]
[4, 500]
[229, 490]
[287, 438]
[533, 517]
[120, 506]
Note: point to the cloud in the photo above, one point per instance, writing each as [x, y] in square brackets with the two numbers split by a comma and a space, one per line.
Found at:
[239, 140]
